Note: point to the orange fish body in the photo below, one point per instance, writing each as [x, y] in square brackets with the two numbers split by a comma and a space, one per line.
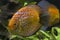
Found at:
[54, 15]
[25, 21]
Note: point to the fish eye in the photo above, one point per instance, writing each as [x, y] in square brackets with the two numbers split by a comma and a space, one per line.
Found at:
[14, 23]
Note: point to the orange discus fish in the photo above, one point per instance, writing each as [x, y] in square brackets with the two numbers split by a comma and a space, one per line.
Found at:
[25, 21]
[49, 14]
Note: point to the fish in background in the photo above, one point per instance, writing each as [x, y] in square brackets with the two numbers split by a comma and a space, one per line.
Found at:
[49, 15]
